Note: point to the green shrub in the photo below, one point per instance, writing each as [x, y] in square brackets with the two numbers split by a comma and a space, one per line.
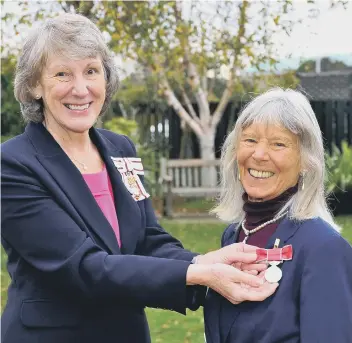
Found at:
[339, 168]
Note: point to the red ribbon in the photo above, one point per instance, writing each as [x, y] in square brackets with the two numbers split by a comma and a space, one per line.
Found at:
[275, 254]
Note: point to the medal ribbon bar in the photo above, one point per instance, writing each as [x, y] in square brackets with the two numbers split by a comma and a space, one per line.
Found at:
[276, 254]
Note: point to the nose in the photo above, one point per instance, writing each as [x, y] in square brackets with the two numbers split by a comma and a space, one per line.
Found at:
[80, 87]
[260, 151]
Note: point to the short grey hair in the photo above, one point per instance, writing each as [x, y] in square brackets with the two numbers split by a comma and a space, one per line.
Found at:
[71, 35]
[291, 110]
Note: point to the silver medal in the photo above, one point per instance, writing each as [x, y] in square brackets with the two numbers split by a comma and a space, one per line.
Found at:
[273, 273]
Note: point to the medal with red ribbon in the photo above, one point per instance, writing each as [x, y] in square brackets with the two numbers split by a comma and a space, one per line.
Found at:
[275, 254]
[274, 257]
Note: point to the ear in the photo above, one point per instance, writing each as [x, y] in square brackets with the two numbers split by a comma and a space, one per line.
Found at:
[302, 166]
[37, 91]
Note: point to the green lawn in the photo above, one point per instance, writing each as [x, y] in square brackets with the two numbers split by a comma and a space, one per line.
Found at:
[170, 327]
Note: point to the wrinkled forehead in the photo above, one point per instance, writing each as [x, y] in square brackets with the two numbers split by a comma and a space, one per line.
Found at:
[269, 131]
[63, 56]
[63, 60]
[71, 47]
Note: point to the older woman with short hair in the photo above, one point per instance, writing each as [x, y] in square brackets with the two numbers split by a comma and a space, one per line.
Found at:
[86, 253]
[273, 193]
[72, 37]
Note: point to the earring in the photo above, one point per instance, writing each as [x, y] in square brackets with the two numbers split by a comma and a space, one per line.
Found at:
[37, 96]
[302, 180]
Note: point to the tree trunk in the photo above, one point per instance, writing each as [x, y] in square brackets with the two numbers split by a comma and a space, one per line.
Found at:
[186, 148]
[207, 152]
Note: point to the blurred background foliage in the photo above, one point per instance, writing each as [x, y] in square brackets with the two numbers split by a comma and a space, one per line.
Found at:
[339, 168]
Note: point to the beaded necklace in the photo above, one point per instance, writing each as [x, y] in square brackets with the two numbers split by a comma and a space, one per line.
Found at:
[250, 232]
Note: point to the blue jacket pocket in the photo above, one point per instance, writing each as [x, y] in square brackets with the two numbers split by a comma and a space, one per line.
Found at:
[48, 313]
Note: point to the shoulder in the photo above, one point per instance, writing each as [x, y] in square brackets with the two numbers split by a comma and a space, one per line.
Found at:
[320, 231]
[14, 143]
[121, 142]
[16, 147]
[320, 238]
[228, 234]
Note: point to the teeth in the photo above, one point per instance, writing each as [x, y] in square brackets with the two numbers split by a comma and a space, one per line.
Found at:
[77, 107]
[260, 174]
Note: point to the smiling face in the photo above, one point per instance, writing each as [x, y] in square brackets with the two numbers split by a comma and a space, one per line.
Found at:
[73, 92]
[268, 159]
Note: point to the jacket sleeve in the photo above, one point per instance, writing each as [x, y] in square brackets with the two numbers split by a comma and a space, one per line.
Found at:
[159, 243]
[326, 293]
[227, 236]
[48, 240]
[156, 241]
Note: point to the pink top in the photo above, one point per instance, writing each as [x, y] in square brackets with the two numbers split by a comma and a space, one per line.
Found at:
[100, 186]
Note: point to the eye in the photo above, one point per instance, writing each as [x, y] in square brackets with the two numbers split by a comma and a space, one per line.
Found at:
[92, 71]
[63, 76]
[250, 140]
[279, 145]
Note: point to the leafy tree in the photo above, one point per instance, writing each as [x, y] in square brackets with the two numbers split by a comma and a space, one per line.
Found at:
[181, 45]
[307, 66]
[181, 51]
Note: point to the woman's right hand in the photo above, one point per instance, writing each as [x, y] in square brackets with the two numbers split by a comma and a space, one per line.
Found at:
[233, 284]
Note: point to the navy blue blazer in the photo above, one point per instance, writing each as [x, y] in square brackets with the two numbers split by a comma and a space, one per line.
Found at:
[313, 303]
[70, 281]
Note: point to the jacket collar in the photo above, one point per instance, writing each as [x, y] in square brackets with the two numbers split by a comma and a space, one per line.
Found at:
[221, 313]
[71, 182]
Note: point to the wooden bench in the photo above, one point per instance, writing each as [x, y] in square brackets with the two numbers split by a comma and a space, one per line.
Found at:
[184, 178]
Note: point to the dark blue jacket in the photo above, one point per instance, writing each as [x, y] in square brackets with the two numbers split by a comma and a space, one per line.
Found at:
[70, 281]
[313, 303]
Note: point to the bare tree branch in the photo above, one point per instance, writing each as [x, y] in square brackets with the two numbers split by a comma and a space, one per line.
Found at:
[179, 109]
[189, 105]
[200, 95]
[226, 96]
[212, 83]
[205, 83]
[193, 75]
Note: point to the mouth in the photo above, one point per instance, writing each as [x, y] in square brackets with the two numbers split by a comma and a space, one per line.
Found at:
[78, 107]
[260, 174]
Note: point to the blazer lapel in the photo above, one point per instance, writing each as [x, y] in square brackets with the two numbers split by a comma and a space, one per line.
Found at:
[286, 229]
[127, 209]
[228, 311]
[71, 182]
[212, 307]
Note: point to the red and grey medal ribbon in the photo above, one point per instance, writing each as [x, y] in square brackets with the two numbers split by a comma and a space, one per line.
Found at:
[275, 254]
[274, 257]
